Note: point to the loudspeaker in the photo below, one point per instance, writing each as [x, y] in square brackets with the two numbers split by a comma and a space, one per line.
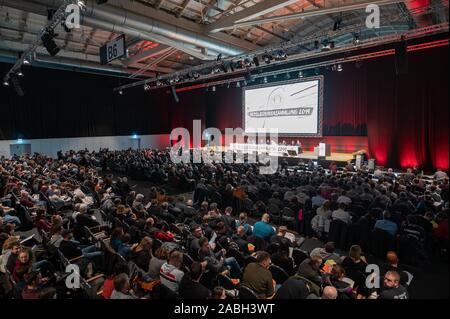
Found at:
[401, 57]
[174, 94]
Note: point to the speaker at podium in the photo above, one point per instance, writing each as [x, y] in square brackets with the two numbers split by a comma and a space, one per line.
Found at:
[322, 150]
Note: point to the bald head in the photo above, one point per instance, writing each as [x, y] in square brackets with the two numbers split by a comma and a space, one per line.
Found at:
[329, 292]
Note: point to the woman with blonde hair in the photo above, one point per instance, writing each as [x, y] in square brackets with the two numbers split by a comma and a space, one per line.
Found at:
[141, 253]
[161, 256]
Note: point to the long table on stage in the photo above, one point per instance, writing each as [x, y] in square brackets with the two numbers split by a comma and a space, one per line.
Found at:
[282, 151]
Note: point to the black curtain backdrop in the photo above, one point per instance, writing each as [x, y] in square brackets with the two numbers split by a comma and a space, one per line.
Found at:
[404, 117]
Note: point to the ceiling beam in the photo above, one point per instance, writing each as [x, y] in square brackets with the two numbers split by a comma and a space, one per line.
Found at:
[160, 49]
[249, 13]
[311, 13]
[184, 5]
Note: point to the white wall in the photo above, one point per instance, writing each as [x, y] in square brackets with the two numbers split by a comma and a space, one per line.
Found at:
[51, 146]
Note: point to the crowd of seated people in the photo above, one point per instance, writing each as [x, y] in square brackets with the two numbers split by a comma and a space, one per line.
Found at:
[125, 245]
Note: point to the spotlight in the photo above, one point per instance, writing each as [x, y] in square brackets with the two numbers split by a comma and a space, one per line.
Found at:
[265, 79]
[20, 73]
[120, 92]
[50, 14]
[64, 25]
[337, 24]
[214, 88]
[146, 87]
[339, 67]
[316, 44]
[256, 61]
[356, 39]
[267, 58]
[300, 74]
[49, 43]
[281, 55]
[238, 84]
[247, 62]
[26, 62]
[6, 83]
[224, 67]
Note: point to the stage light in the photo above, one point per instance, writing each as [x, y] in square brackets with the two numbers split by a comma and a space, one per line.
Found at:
[20, 73]
[26, 62]
[300, 74]
[267, 58]
[333, 67]
[19, 141]
[6, 83]
[120, 92]
[224, 67]
[339, 67]
[238, 84]
[214, 88]
[49, 43]
[281, 55]
[265, 79]
[50, 14]
[64, 25]
[146, 87]
[256, 61]
[247, 62]
[337, 24]
[135, 136]
[356, 40]
[316, 44]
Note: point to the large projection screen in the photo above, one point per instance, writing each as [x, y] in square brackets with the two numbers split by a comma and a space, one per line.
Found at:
[293, 107]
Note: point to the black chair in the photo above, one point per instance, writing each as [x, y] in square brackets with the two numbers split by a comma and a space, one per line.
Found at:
[249, 259]
[338, 233]
[278, 274]
[246, 293]
[275, 214]
[188, 261]
[287, 217]
[273, 248]
[175, 230]
[232, 252]
[382, 242]
[299, 256]
[225, 282]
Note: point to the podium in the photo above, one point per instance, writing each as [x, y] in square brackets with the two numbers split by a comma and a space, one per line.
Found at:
[322, 150]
